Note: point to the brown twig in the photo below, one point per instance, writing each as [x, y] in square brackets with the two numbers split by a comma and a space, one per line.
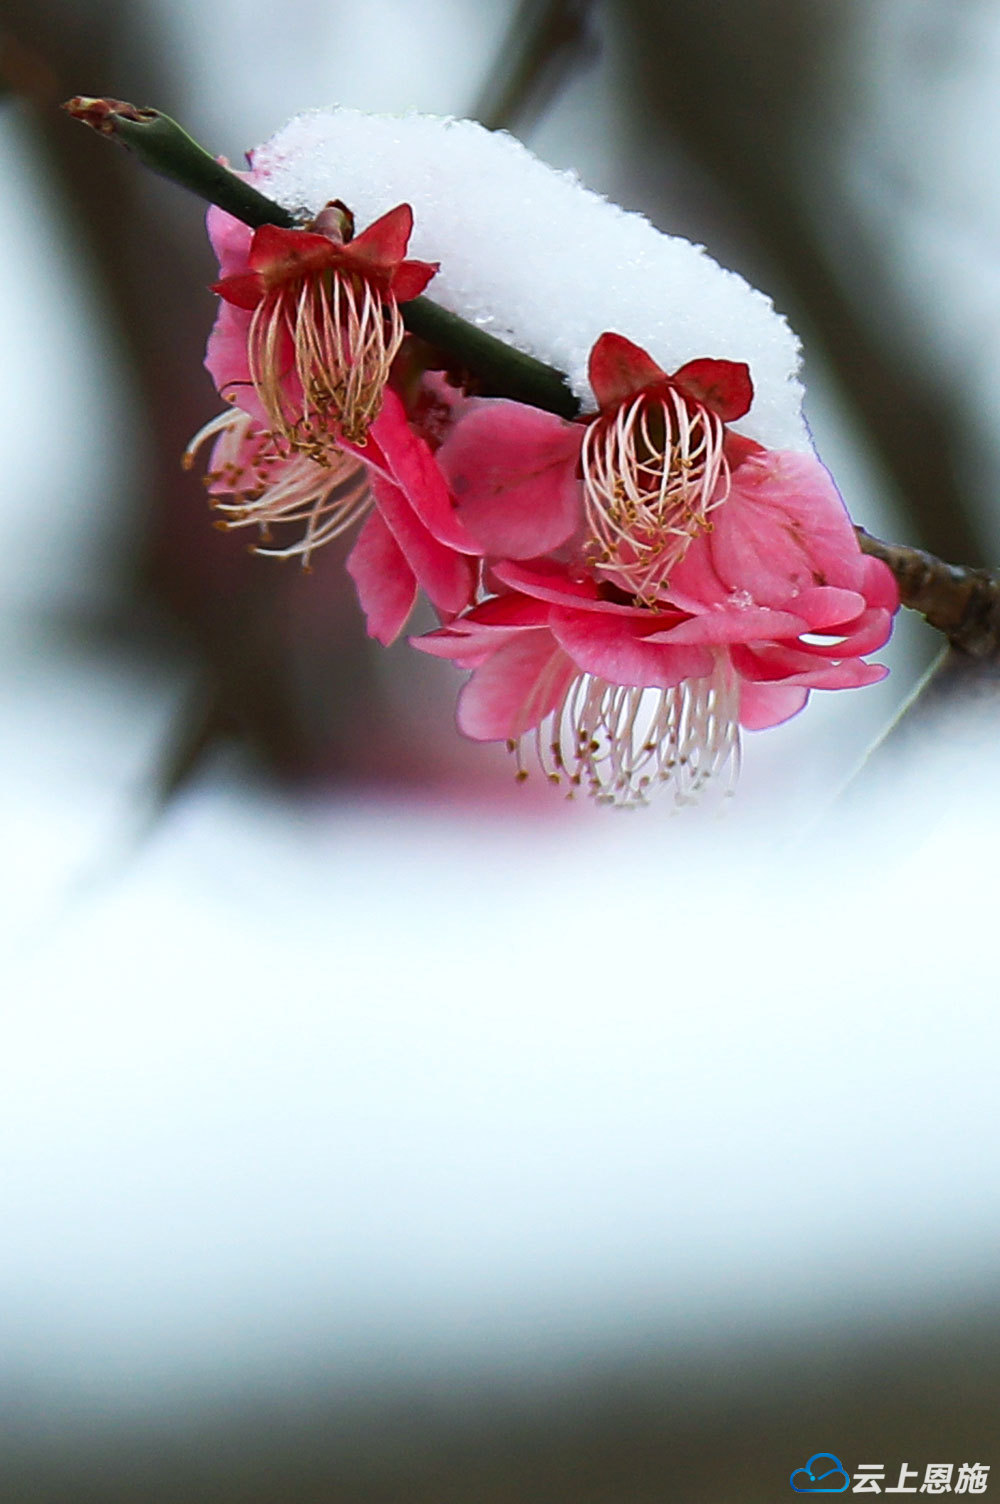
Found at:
[962, 603]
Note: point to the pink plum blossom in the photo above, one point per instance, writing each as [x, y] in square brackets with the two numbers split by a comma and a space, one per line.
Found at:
[316, 312]
[683, 560]
[281, 456]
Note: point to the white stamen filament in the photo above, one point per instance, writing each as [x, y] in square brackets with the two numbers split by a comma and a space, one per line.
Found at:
[344, 337]
[622, 743]
[269, 485]
[652, 475]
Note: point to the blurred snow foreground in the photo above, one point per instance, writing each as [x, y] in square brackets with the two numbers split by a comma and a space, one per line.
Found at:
[629, 589]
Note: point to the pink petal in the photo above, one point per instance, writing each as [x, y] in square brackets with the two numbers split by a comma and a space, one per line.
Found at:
[824, 607]
[763, 705]
[446, 576]
[613, 650]
[867, 634]
[472, 638]
[407, 460]
[694, 583]
[230, 241]
[515, 688]
[880, 586]
[386, 585]
[512, 472]
[749, 624]
[509, 611]
[772, 662]
[227, 364]
[784, 529]
[467, 652]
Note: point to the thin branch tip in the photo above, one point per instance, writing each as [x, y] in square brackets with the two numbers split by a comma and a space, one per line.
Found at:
[166, 149]
[103, 114]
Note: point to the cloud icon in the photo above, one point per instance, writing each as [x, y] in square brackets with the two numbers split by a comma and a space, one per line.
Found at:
[823, 1474]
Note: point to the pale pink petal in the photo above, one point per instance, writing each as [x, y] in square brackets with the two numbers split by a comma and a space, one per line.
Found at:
[230, 241]
[694, 583]
[515, 688]
[227, 364]
[386, 585]
[447, 576]
[471, 638]
[880, 586]
[740, 624]
[468, 650]
[824, 607]
[770, 663]
[784, 529]
[763, 705]
[612, 649]
[513, 473]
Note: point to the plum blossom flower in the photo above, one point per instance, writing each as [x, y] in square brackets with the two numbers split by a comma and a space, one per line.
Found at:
[619, 696]
[319, 310]
[592, 683]
[654, 460]
[300, 444]
[627, 590]
[695, 581]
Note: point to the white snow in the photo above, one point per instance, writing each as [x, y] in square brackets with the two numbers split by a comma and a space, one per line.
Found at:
[533, 257]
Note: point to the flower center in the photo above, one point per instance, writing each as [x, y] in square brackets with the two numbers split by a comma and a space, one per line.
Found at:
[268, 484]
[320, 347]
[653, 471]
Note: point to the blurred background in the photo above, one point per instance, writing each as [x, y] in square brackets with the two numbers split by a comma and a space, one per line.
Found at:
[374, 1128]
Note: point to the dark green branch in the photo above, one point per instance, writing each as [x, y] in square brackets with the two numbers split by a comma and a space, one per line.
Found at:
[167, 149]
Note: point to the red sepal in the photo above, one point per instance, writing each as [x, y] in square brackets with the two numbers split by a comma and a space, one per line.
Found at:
[244, 291]
[278, 255]
[410, 279]
[382, 245]
[619, 370]
[723, 386]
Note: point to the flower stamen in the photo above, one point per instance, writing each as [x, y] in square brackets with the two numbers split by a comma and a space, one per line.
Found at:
[340, 337]
[270, 484]
[653, 471]
[622, 743]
